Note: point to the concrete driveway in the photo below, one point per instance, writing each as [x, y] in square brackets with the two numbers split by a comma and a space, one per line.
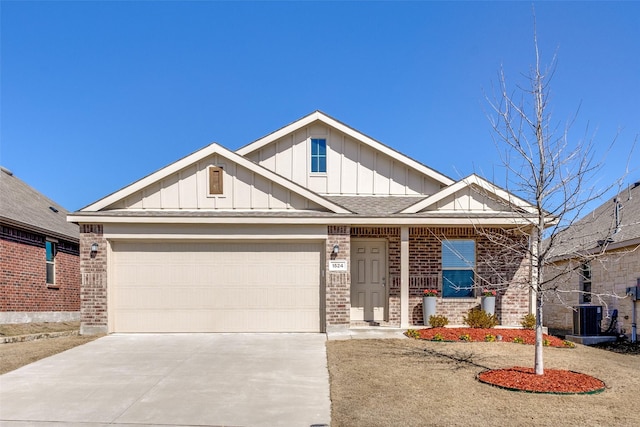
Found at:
[175, 379]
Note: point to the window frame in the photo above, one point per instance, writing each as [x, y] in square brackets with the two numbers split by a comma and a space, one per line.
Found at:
[314, 159]
[470, 268]
[586, 282]
[50, 264]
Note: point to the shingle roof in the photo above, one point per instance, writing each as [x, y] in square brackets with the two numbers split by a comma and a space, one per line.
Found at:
[596, 227]
[23, 206]
[374, 206]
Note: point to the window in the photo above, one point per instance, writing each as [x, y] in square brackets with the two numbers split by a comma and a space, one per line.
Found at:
[585, 282]
[215, 180]
[458, 263]
[318, 155]
[52, 249]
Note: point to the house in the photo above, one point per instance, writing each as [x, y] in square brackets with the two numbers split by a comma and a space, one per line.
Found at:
[601, 253]
[39, 256]
[314, 227]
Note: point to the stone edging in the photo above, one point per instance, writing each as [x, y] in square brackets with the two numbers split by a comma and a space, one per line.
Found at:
[40, 336]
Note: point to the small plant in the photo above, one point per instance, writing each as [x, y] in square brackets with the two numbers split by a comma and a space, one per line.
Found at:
[477, 318]
[518, 340]
[489, 338]
[568, 344]
[465, 337]
[437, 337]
[546, 342]
[430, 293]
[438, 321]
[528, 321]
[488, 293]
[412, 333]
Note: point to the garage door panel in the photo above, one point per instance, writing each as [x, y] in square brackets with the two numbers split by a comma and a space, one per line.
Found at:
[215, 287]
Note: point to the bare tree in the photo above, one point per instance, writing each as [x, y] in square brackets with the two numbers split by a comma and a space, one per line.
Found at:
[545, 167]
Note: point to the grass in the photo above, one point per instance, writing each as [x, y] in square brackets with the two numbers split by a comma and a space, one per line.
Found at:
[409, 382]
[15, 355]
[421, 383]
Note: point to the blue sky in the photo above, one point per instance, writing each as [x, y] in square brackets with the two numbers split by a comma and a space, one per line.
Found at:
[95, 95]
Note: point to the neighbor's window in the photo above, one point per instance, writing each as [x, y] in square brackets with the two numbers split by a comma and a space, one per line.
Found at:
[585, 282]
[52, 249]
[215, 180]
[458, 264]
[318, 155]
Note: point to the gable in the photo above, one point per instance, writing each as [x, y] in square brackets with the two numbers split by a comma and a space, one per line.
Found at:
[355, 163]
[472, 195]
[189, 189]
[186, 184]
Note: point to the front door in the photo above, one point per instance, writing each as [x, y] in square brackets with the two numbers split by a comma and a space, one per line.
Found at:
[368, 280]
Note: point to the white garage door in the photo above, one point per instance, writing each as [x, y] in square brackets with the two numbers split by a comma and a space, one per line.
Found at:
[215, 287]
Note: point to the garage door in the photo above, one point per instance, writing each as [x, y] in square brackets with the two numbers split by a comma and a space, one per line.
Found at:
[215, 287]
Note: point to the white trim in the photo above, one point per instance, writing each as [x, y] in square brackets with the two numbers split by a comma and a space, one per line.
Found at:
[199, 155]
[404, 277]
[338, 219]
[360, 137]
[472, 179]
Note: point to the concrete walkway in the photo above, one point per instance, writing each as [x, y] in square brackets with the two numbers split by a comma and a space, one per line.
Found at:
[174, 379]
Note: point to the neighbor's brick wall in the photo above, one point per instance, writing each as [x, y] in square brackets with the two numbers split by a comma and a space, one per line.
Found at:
[610, 276]
[23, 274]
[338, 284]
[93, 270]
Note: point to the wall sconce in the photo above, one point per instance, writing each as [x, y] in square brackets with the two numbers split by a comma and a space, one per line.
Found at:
[335, 250]
[94, 248]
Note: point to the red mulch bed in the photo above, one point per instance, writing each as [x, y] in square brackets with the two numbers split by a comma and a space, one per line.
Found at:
[479, 334]
[555, 381]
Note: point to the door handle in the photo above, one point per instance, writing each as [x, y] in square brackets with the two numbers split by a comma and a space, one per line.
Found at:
[384, 282]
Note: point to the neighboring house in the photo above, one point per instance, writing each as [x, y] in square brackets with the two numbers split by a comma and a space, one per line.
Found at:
[601, 252]
[314, 227]
[39, 256]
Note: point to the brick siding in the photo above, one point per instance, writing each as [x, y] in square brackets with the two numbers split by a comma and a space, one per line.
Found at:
[93, 270]
[338, 283]
[23, 274]
[611, 274]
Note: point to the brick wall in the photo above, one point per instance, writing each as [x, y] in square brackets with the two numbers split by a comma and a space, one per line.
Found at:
[23, 276]
[499, 265]
[93, 270]
[611, 274]
[338, 283]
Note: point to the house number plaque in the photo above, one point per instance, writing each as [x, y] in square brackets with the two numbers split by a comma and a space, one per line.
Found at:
[338, 265]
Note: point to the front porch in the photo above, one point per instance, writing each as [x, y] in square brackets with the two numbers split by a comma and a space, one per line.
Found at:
[412, 263]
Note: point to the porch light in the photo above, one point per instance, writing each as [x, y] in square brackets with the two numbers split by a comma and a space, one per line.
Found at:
[94, 248]
[336, 249]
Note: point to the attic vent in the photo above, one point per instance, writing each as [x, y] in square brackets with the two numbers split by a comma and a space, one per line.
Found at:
[53, 209]
[215, 180]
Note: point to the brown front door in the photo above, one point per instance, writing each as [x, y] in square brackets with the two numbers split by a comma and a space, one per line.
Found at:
[368, 280]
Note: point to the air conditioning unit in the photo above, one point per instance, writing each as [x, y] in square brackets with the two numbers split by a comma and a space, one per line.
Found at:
[586, 319]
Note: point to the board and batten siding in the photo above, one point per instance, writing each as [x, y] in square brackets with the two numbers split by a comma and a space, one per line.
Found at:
[468, 200]
[353, 168]
[242, 189]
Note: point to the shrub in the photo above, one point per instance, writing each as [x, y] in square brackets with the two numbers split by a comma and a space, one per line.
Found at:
[437, 337]
[528, 321]
[489, 338]
[477, 318]
[518, 340]
[412, 333]
[546, 342]
[438, 321]
[465, 337]
[568, 344]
